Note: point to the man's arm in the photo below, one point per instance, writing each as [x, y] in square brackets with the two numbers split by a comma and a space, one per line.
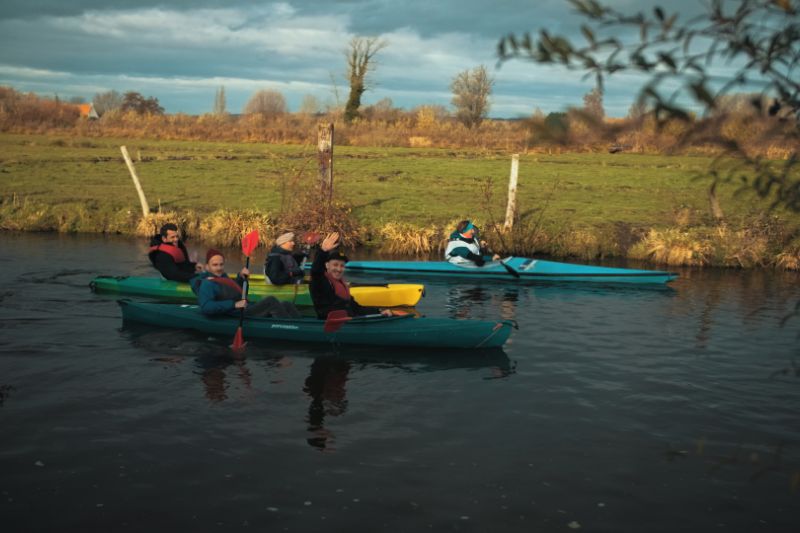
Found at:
[166, 265]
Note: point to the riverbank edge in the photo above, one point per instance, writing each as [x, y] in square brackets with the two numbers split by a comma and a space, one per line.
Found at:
[759, 243]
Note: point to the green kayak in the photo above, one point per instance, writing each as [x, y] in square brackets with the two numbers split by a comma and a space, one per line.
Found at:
[392, 295]
[406, 330]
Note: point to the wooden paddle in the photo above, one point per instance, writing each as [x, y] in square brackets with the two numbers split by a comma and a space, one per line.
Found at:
[249, 243]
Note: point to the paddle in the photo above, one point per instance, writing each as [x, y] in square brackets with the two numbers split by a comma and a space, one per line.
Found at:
[509, 269]
[336, 319]
[249, 243]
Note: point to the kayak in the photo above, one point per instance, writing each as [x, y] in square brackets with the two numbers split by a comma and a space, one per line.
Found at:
[392, 295]
[406, 330]
[519, 268]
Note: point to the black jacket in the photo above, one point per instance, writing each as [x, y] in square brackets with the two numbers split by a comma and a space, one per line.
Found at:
[164, 263]
[283, 267]
[324, 296]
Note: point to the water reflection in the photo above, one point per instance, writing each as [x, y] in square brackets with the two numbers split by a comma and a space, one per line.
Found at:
[461, 301]
[212, 371]
[5, 392]
[218, 367]
[748, 299]
[326, 383]
[326, 386]
[758, 461]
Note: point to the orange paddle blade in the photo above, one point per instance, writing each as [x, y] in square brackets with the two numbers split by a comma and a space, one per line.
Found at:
[335, 321]
[250, 242]
[238, 341]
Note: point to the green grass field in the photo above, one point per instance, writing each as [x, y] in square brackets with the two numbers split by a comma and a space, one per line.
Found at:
[421, 186]
[416, 186]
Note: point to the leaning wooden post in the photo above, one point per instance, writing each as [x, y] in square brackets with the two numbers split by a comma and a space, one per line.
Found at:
[142, 199]
[325, 156]
[512, 193]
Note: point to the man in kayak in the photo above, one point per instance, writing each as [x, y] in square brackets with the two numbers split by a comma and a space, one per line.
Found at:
[218, 294]
[283, 266]
[464, 248]
[168, 255]
[328, 288]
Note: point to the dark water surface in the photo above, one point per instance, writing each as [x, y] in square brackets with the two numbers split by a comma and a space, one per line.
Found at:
[611, 409]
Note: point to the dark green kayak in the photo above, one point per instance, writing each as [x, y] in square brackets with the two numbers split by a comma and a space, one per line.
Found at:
[405, 330]
[391, 295]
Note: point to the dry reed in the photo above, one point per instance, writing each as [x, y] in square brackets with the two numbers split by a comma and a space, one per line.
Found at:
[672, 247]
[407, 239]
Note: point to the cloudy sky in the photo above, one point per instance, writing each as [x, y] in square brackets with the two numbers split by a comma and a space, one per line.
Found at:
[182, 51]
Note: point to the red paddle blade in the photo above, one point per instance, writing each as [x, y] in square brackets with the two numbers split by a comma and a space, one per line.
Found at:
[250, 242]
[238, 341]
[335, 320]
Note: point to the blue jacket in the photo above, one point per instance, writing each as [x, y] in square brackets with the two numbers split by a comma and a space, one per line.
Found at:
[215, 298]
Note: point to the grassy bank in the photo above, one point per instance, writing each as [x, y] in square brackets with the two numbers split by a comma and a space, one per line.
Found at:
[581, 205]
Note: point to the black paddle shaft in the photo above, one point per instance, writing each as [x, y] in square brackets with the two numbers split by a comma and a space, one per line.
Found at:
[244, 291]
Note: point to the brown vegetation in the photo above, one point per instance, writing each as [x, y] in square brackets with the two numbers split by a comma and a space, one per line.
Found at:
[427, 126]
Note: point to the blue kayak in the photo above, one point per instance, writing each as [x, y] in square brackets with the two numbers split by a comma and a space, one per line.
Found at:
[518, 268]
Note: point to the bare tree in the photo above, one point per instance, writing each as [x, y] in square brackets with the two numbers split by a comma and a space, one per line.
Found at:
[266, 102]
[107, 101]
[220, 103]
[383, 109]
[593, 104]
[637, 110]
[309, 105]
[471, 91]
[360, 62]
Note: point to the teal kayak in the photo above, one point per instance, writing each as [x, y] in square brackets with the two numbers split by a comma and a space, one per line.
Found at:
[407, 330]
[519, 268]
[392, 295]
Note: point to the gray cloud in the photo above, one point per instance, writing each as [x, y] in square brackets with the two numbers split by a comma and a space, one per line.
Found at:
[182, 50]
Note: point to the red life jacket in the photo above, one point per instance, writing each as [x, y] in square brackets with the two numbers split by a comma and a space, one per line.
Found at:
[339, 287]
[176, 253]
[226, 282]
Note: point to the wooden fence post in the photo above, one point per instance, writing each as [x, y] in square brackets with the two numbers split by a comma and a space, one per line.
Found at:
[142, 199]
[511, 207]
[325, 157]
[713, 202]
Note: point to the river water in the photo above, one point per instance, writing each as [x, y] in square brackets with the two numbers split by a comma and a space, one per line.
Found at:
[611, 409]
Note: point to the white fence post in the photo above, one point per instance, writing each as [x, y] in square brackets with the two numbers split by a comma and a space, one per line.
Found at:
[512, 193]
[142, 199]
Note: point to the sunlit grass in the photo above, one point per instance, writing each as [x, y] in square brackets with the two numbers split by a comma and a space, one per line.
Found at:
[406, 199]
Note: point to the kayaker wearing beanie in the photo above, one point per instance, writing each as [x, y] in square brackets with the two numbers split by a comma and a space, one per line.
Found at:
[168, 255]
[464, 248]
[218, 294]
[283, 267]
[328, 288]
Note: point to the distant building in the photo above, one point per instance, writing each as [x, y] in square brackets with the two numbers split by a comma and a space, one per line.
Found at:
[87, 111]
